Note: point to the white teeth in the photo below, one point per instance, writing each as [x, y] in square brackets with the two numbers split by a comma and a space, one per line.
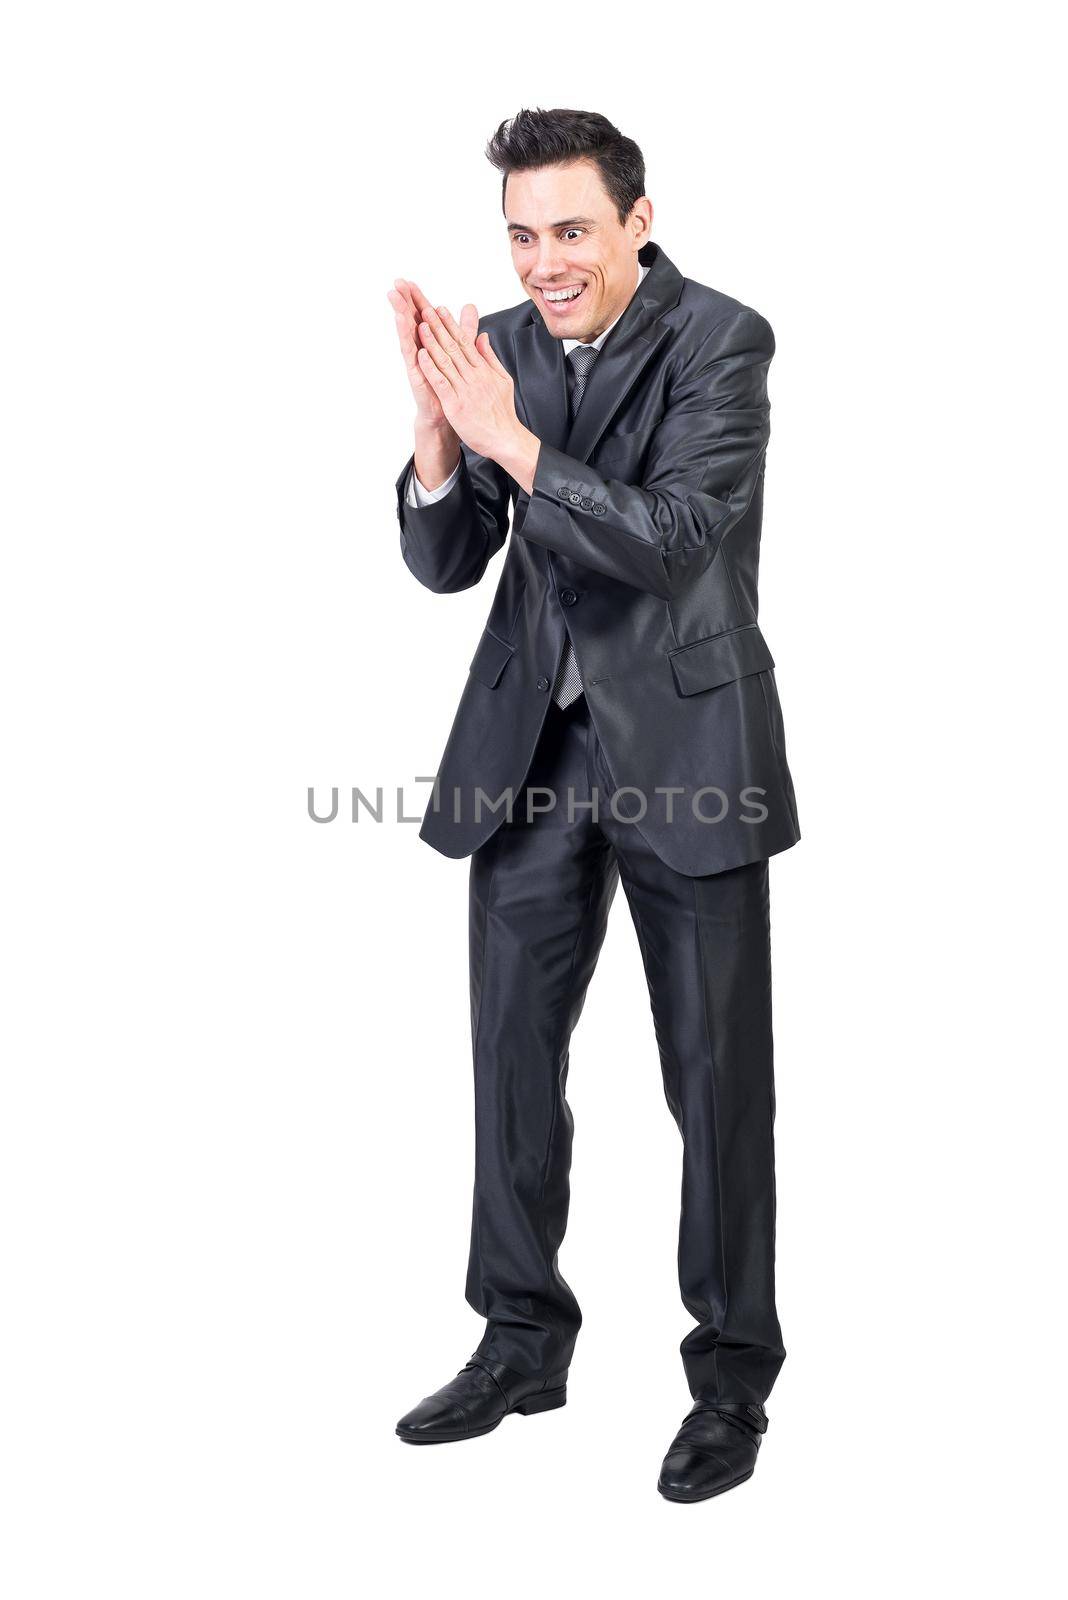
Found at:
[562, 294]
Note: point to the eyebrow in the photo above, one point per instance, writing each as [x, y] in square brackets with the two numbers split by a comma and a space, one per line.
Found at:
[568, 222]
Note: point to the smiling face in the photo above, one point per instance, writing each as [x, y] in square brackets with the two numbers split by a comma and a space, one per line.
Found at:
[575, 259]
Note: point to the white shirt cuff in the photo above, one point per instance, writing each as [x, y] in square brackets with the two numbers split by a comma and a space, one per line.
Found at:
[417, 496]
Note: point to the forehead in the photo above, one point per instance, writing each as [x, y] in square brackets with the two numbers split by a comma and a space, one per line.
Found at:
[540, 198]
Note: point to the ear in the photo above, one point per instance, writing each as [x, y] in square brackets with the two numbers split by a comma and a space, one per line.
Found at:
[641, 218]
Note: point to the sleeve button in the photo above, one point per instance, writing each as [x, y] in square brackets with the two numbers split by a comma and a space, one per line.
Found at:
[563, 494]
[599, 508]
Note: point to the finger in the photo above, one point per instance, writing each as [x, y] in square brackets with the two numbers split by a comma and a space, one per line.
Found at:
[469, 322]
[402, 315]
[437, 352]
[435, 377]
[482, 344]
[401, 307]
[448, 345]
[462, 346]
[401, 301]
[419, 299]
[404, 289]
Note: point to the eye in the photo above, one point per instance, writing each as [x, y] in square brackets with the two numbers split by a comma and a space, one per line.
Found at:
[573, 233]
[521, 238]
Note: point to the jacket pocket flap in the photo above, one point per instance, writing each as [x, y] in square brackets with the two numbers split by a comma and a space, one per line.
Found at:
[490, 659]
[720, 659]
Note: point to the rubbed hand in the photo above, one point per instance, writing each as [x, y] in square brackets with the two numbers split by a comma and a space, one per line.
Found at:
[474, 391]
[409, 305]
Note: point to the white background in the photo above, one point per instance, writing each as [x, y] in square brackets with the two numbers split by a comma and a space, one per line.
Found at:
[237, 1111]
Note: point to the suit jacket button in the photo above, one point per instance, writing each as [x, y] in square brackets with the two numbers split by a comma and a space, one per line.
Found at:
[586, 503]
[568, 596]
[543, 684]
[599, 508]
[563, 494]
[576, 499]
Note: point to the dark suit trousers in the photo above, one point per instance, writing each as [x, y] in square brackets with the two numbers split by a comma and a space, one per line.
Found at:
[540, 893]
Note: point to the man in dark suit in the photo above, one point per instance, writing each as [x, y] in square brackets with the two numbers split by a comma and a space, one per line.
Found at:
[620, 721]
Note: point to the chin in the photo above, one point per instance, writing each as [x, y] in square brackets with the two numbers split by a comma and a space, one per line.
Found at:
[561, 328]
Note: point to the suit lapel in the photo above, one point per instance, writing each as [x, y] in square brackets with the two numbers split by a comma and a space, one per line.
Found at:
[541, 383]
[626, 352]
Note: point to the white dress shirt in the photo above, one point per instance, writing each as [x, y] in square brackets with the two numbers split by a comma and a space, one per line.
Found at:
[417, 495]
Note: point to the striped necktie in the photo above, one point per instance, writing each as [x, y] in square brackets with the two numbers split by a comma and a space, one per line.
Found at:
[568, 684]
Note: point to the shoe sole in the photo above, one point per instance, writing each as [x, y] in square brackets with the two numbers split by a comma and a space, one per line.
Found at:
[709, 1494]
[551, 1400]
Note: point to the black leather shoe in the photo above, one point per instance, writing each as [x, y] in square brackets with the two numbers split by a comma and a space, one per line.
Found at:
[715, 1449]
[480, 1396]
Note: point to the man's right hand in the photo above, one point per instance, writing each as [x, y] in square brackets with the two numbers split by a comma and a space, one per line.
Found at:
[437, 447]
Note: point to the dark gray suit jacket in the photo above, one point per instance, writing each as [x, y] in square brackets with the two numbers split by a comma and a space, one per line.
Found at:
[641, 538]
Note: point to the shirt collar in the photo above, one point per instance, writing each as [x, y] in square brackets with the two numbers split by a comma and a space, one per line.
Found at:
[595, 344]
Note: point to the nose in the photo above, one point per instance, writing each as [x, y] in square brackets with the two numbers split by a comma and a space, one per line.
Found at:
[550, 258]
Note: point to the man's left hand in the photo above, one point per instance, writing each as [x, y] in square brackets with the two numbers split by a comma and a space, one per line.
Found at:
[476, 392]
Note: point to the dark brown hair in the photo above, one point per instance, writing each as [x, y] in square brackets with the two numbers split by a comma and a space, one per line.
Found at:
[533, 139]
